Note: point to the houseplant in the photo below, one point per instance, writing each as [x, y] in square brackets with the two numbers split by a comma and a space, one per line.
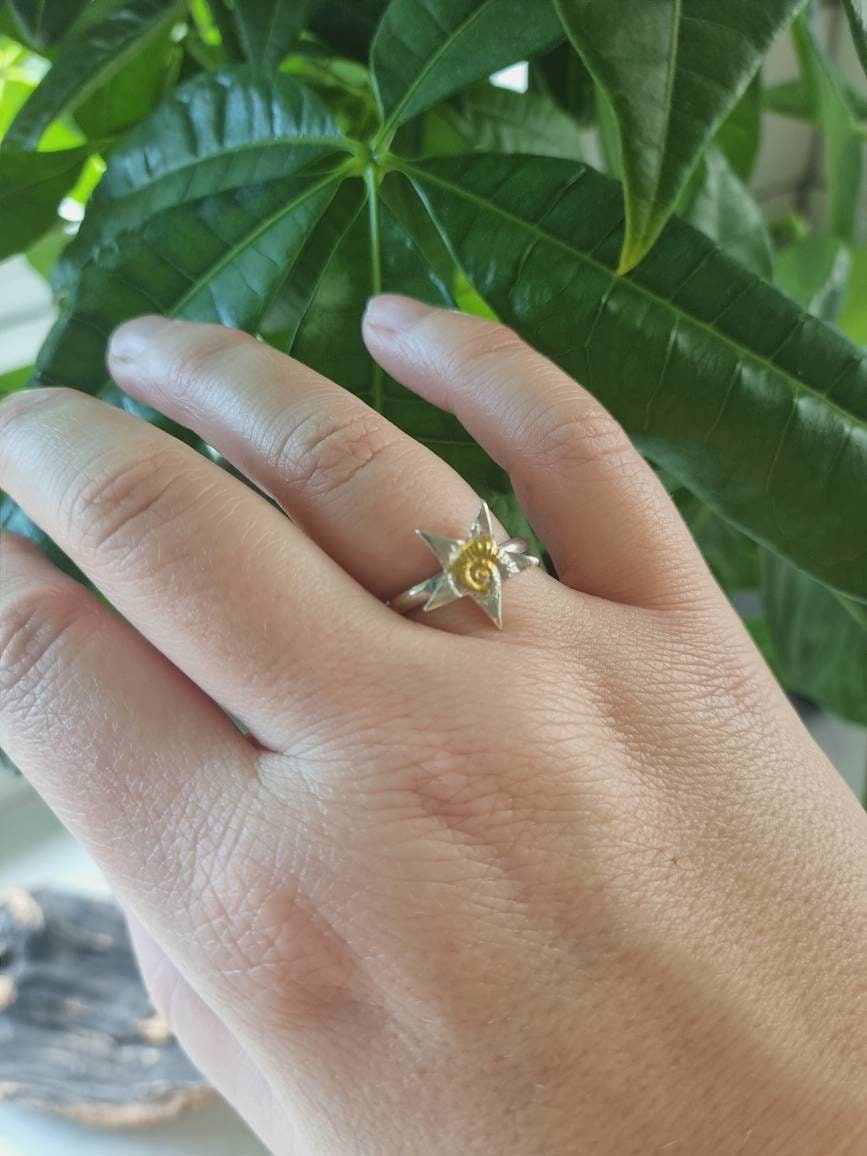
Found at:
[271, 163]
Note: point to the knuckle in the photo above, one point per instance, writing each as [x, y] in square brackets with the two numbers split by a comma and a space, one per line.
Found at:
[20, 403]
[121, 502]
[194, 364]
[327, 451]
[577, 434]
[486, 341]
[34, 619]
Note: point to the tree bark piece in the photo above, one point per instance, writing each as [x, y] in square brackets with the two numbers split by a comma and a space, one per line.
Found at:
[78, 1034]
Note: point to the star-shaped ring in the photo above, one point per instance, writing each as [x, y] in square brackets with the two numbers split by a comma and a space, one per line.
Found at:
[472, 567]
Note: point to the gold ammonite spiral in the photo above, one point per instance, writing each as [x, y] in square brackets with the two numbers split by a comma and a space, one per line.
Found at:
[474, 567]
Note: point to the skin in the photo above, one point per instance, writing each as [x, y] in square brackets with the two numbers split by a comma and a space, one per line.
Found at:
[582, 886]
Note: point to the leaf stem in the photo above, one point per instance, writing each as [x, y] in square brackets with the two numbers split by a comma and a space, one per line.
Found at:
[371, 181]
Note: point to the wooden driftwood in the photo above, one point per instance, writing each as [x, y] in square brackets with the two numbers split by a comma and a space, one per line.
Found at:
[78, 1034]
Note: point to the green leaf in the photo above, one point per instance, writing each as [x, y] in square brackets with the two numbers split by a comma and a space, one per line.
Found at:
[843, 144]
[131, 94]
[761, 636]
[608, 135]
[348, 25]
[794, 99]
[722, 207]
[14, 379]
[424, 50]
[43, 22]
[791, 98]
[31, 187]
[344, 85]
[756, 406]
[207, 216]
[493, 119]
[219, 132]
[853, 315]
[44, 254]
[94, 51]
[8, 24]
[814, 271]
[819, 638]
[268, 28]
[857, 17]
[561, 75]
[739, 134]
[673, 70]
[220, 259]
[731, 555]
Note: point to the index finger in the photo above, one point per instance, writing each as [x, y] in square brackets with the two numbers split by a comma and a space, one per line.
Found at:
[218, 580]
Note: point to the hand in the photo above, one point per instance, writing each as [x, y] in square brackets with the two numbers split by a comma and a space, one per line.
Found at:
[582, 886]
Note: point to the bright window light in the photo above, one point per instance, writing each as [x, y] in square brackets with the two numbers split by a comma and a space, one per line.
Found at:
[514, 77]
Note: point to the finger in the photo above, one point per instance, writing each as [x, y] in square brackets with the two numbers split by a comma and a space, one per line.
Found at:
[604, 516]
[209, 1042]
[214, 576]
[355, 482]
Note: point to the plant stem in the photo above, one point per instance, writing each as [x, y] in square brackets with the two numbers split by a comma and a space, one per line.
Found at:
[370, 179]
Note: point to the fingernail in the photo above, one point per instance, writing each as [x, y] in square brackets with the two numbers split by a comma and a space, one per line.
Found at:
[392, 312]
[130, 339]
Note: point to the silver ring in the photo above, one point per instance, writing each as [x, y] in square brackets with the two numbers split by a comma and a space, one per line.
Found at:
[472, 567]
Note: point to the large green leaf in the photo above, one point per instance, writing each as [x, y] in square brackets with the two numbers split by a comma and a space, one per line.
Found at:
[348, 25]
[493, 119]
[819, 638]
[219, 132]
[96, 50]
[561, 75]
[204, 218]
[857, 16]
[31, 187]
[722, 207]
[268, 28]
[43, 22]
[672, 70]
[221, 258]
[731, 555]
[755, 405]
[424, 50]
[815, 272]
[218, 258]
[842, 141]
[131, 94]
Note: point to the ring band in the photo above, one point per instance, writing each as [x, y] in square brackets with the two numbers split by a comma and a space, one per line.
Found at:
[475, 566]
